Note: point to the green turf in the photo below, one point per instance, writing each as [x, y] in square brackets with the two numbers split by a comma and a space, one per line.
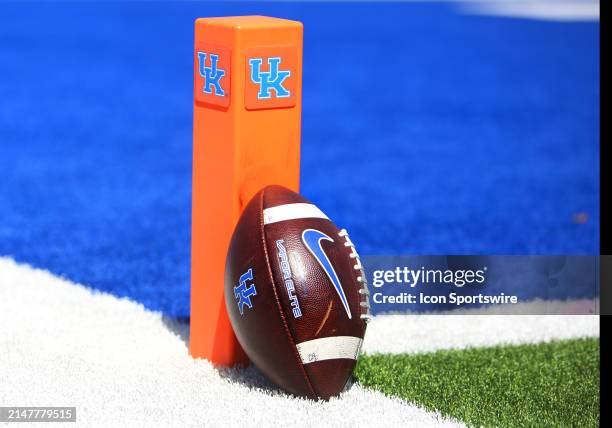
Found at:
[549, 384]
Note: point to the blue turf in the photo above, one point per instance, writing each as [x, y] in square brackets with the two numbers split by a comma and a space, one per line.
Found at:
[424, 132]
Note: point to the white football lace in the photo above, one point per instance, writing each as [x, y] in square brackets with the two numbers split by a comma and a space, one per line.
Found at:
[366, 315]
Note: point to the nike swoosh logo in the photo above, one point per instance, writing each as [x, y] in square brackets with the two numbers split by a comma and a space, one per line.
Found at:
[312, 239]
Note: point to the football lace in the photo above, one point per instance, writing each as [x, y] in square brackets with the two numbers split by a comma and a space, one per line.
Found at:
[366, 314]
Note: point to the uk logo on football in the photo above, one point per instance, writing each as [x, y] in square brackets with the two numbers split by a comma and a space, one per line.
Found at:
[244, 291]
[270, 77]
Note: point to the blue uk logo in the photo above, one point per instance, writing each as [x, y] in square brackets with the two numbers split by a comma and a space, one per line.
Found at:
[212, 75]
[269, 81]
[243, 293]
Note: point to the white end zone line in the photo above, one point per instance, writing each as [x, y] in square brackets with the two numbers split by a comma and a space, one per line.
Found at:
[427, 333]
[545, 10]
[59, 338]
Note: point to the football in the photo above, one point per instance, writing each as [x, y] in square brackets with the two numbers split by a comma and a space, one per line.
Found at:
[296, 294]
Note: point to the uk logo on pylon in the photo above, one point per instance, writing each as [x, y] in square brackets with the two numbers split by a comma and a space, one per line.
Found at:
[270, 82]
[271, 77]
[212, 75]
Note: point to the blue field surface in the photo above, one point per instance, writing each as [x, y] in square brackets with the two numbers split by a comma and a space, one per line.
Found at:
[425, 131]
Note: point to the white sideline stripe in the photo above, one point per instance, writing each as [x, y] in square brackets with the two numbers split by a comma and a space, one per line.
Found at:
[292, 212]
[547, 10]
[329, 348]
[420, 333]
[58, 338]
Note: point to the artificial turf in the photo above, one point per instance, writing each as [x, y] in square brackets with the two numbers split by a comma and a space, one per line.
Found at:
[426, 130]
[548, 384]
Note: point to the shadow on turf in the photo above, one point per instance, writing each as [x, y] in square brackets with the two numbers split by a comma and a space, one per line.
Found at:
[249, 376]
[178, 326]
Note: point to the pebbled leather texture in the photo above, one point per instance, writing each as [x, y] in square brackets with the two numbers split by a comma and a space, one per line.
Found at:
[271, 329]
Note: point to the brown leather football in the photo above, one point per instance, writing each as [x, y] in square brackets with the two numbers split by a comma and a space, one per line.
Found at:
[296, 294]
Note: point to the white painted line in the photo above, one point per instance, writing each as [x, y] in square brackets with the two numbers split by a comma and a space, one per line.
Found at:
[59, 338]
